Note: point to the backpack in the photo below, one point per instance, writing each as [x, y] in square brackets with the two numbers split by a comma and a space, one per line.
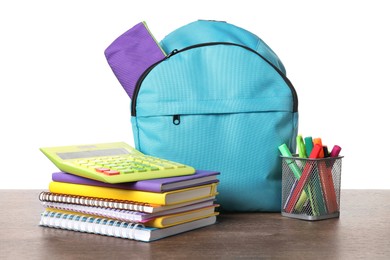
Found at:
[219, 100]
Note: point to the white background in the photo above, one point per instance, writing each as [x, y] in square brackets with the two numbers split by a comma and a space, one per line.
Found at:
[56, 87]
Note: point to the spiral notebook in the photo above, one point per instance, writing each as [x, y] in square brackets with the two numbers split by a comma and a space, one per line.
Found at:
[115, 228]
[121, 214]
[114, 204]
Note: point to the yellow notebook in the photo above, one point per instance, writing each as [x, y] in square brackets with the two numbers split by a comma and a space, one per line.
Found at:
[166, 198]
[180, 218]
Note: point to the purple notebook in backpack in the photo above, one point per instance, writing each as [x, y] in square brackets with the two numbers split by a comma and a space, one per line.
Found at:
[131, 54]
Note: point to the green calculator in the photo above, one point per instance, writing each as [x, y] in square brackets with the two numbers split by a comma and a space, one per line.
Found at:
[113, 163]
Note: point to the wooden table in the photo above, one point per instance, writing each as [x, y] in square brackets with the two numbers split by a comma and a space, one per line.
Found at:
[362, 231]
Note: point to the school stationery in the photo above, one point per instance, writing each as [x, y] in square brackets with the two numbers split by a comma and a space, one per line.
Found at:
[115, 228]
[301, 147]
[219, 100]
[127, 53]
[326, 151]
[303, 180]
[155, 185]
[297, 174]
[327, 179]
[117, 204]
[327, 190]
[160, 221]
[122, 214]
[319, 191]
[113, 162]
[309, 144]
[183, 217]
[335, 151]
[314, 189]
[320, 179]
[165, 198]
[319, 142]
[291, 163]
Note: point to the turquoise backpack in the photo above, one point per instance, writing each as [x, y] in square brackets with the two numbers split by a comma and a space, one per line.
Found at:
[220, 100]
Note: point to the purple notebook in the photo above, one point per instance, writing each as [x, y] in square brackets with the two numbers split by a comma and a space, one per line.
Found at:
[155, 185]
[131, 54]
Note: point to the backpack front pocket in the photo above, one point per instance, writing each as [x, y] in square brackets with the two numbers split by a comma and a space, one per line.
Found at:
[242, 146]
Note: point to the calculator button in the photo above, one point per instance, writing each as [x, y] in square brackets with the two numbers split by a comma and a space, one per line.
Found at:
[82, 162]
[102, 169]
[111, 172]
[120, 168]
[127, 171]
[100, 164]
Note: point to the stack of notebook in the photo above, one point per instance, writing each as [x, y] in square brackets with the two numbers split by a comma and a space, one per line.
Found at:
[144, 210]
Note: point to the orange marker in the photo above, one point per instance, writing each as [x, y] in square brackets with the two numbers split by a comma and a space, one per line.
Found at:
[319, 141]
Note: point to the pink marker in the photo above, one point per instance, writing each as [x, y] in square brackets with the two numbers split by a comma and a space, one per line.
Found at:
[332, 204]
[335, 151]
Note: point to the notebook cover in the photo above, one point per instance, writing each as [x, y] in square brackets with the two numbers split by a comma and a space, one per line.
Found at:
[161, 221]
[131, 54]
[183, 217]
[95, 226]
[122, 214]
[154, 185]
[166, 198]
[49, 197]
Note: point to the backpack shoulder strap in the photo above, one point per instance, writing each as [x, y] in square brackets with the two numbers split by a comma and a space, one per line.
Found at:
[203, 31]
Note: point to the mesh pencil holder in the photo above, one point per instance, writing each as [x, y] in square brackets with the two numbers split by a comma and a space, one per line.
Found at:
[311, 187]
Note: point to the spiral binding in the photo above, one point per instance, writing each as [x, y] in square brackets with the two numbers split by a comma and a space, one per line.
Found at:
[119, 214]
[80, 223]
[92, 201]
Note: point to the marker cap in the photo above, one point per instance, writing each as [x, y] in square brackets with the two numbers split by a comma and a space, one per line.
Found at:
[335, 151]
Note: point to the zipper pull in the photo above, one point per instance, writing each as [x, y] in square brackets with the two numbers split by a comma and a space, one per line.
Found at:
[171, 53]
[176, 119]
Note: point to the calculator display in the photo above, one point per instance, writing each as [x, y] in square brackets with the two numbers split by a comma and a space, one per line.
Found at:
[92, 153]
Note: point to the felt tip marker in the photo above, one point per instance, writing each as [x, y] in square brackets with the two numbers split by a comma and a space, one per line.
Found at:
[335, 151]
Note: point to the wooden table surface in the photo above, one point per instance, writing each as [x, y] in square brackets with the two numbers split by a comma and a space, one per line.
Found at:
[362, 231]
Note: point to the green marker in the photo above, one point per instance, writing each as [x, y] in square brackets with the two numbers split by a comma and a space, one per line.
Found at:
[297, 174]
[291, 163]
[301, 147]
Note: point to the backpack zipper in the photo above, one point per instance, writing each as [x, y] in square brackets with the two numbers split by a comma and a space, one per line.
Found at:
[176, 119]
[175, 51]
